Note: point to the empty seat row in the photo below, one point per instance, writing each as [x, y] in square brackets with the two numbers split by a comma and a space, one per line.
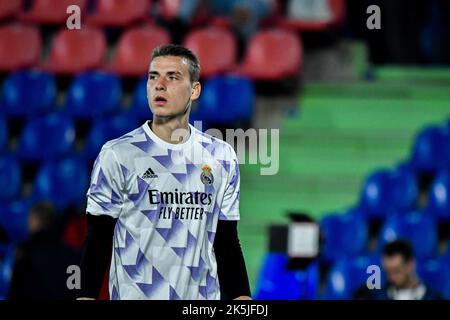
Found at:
[63, 182]
[346, 235]
[54, 137]
[104, 13]
[271, 54]
[93, 95]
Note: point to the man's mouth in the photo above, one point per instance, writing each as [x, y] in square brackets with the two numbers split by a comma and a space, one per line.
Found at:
[160, 101]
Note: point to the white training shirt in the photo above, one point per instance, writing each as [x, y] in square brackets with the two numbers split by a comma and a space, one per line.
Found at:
[167, 199]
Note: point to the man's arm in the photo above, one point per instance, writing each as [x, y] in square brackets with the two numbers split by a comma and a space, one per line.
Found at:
[231, 268]
[96, 255]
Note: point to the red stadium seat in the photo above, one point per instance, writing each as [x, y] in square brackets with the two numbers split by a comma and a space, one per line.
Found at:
[9, 9]
[20, 47]
[216, 49]
[75, 51]
[337, 8]
[169, 8]
[119, 13]
[272, 55]
[51, 11]
[135, 48]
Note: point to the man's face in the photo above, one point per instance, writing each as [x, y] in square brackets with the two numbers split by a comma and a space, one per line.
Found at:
[398, 270]
[169, 87]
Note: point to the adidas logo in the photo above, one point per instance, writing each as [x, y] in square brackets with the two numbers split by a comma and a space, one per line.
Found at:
[149, 174]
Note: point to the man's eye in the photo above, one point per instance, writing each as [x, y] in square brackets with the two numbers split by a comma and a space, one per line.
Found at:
[152, 77]
[173, 78]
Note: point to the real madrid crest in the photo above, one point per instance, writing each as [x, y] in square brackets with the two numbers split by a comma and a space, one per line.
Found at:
[206, 176]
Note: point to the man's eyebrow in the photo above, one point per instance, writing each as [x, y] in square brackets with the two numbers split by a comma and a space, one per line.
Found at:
[168, 73]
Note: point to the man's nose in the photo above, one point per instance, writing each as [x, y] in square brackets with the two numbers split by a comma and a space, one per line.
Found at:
[160, 85]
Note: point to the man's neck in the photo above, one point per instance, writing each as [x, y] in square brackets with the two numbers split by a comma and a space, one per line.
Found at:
[412, 283]
[175, 130]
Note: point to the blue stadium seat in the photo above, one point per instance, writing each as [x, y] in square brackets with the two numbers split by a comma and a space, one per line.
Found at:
[278, 283]
[345, 235]
[10, 178]
[139, 108]
[3, 135]
[28, 93]
[436, 273]
[64, 183]
[14, 219]
[105, 130]
[386, 191]
[416, 227]
[227, 100]
[348, 275]
[428, 153]
[46, 138]
[94, 94]
[439, 196]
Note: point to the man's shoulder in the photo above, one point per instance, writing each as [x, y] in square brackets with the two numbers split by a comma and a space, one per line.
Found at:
[218, 146]
[125, 140]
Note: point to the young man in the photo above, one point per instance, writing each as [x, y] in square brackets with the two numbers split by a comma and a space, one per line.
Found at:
[403, 283]
[167, 196]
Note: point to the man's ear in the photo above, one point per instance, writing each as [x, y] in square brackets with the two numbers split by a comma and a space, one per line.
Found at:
[196, 90]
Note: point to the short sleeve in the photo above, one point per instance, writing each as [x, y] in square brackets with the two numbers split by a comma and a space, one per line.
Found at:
[104, 196]
[230, 203]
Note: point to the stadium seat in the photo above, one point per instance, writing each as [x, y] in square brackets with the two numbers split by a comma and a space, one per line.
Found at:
[278, 283]
[139, 108]
[50, 11]
[348, 275]
[20, 47]
[272, 55]
[14, 219]
[336, 9]
[10, 9]
[64, 183]
[28, 93]
[345, 235]
[93, 94]
[436, 273]
[439, 196]
[169, 9]
[134, 50]
[48, 137]
[385, 191]
[216, 49]
[76, 51]
[428, 153]
[4, 135]
[220, 107]
[415, 227]
[119, 13]
[10, 179]
[105, 130]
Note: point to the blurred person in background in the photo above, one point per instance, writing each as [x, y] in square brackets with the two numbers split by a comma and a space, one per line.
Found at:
[39, 271]
[403, 282]
[244, 15]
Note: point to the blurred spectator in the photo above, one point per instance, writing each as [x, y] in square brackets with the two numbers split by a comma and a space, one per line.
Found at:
[403, 283]
[244, 16]
[41, 263]
[317, 10]
[424, 182]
